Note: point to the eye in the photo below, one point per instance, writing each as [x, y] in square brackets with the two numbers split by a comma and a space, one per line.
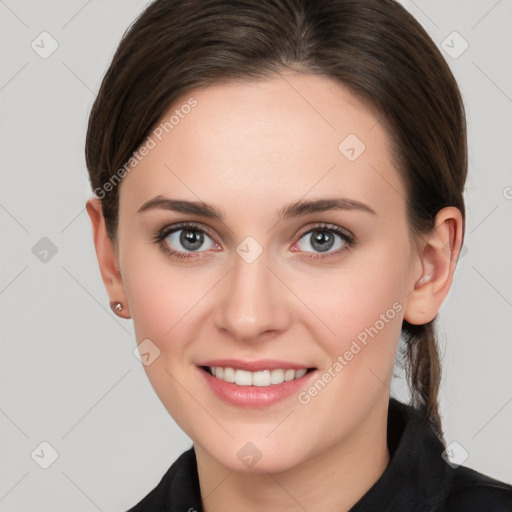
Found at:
[183, 240]
[324, 239]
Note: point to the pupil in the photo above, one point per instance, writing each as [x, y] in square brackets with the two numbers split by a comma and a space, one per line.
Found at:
[322, 240]
[191, 240]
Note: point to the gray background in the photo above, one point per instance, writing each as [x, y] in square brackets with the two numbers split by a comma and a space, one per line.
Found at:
[68, 373]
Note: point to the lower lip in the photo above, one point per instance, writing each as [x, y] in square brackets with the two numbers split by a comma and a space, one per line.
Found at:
[254, 396]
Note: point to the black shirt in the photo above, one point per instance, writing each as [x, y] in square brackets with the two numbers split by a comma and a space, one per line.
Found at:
[417, 478]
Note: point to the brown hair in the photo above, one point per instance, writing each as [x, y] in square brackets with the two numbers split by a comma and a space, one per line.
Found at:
[373, 47]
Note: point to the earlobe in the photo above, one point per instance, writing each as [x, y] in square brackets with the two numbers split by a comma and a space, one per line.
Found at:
[438, 255]
[107, 258]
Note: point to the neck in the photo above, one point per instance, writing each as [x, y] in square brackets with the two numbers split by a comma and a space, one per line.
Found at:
[334, 480]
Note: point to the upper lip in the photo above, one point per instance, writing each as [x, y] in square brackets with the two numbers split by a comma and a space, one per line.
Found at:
[255, 366]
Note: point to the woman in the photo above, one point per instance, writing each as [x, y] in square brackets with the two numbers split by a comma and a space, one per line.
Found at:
[279, 197]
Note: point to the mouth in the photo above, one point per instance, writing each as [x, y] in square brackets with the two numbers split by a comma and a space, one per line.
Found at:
[255, 384]
[261, 378]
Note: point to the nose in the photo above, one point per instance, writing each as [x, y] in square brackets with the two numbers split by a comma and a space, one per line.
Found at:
[253, 303]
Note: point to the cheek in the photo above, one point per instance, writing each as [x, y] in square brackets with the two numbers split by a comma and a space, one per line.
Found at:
[362, 304]
[162, 304]
[356, 296]
[365, 311]
[158, 295]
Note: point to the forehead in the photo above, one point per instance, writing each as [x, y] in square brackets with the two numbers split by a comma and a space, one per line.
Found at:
[278, 138]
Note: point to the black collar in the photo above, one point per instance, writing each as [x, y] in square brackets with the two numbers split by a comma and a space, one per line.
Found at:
[417, 477]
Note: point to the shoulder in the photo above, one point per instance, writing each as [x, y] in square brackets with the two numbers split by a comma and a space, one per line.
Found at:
[472, 491]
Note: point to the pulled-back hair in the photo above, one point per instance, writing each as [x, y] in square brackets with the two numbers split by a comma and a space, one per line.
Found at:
[375, 48]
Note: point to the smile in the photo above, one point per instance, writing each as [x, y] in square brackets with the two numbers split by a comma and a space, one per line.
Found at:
[257, 384]
[259, 378]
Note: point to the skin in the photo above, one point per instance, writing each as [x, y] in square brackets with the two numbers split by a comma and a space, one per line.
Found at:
[249, 149]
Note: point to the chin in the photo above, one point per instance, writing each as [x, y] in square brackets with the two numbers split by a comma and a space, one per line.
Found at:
[257, 457]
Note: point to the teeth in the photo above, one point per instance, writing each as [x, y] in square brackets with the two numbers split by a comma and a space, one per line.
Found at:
[261, 378]
[243, 378]
[229, 375]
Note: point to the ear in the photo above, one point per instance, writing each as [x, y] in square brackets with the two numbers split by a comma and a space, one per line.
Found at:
[107, 257]
[437, 257]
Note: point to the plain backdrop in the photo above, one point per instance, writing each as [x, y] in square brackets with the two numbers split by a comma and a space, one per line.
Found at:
[69, 378]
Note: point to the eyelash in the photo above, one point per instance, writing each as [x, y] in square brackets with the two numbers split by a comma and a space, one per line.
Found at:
[160, 236]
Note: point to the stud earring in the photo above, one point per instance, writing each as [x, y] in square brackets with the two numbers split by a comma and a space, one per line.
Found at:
[116, 307]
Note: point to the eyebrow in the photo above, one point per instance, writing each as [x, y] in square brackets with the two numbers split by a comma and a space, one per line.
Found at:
[296, 209]
[302, 208]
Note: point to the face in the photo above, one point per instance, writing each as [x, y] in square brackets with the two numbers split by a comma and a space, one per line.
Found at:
[267, 231]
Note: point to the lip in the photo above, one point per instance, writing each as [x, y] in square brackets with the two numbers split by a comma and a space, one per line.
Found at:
[255, 397]
[255, 366]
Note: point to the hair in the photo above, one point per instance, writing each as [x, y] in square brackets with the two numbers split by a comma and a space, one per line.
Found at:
[374, 48]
